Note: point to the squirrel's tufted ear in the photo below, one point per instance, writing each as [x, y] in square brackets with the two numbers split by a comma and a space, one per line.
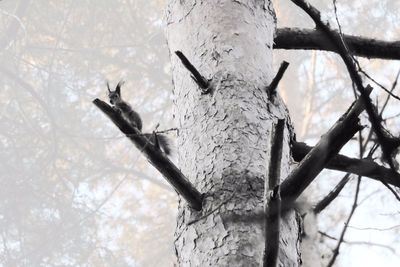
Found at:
[108, 86]
[118, 88]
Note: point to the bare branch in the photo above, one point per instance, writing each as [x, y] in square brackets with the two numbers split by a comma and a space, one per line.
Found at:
[271, 89]
[272, 198]
[196, 76]
[155, 156]
[321, 205]
[389, 92]
[387, 143]
[375, 229]
[394, 84]
[328, 146]
[315, 39]
[366, 243]
[354, 59]
[364, 167]
[353, 208]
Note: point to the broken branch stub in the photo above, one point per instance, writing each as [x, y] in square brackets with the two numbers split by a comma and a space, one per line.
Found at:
[196, 76]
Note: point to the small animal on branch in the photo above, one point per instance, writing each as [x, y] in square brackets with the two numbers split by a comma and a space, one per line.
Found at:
[133, 118]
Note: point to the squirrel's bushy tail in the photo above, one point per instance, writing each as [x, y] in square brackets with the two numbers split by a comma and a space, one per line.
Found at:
[163, 141]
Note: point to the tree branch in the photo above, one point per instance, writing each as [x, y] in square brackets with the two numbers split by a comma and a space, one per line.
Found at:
[388, 144]
[311, 39]
[341, 238]
[321, 205]
[364, 167]
[196, 76]
[155, 156]
[272, 197]
[271, 89]
[328, 146]
[366, 243]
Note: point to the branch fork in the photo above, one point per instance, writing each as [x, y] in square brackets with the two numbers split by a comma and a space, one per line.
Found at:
[328, 146]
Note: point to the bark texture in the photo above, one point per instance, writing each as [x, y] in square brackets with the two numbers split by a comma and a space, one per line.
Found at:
[224, 135]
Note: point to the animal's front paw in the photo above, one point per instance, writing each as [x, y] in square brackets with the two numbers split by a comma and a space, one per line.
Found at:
[116, 109]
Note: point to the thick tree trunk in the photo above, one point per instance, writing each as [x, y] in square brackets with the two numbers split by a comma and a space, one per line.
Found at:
[224, 136]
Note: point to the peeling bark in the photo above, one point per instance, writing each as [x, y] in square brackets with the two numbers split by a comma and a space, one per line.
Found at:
[223, 136]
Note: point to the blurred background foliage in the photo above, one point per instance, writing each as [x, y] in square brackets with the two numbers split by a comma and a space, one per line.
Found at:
[75, 192]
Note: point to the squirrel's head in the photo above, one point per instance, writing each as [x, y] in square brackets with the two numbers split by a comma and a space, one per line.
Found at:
[115, 96]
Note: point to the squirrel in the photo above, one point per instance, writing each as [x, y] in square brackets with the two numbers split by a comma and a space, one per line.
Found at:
[133, 118]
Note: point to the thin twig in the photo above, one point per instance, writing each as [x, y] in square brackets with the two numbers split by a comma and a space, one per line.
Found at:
[366, 243]
[353, 208]
[391, 117]
[395, 194]
[355, 60]
[355, 203]
[394, 84]
[375, 229]
[389, 92]
[217, 208]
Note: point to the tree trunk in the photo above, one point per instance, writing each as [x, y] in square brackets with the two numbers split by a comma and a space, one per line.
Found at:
[224, 136]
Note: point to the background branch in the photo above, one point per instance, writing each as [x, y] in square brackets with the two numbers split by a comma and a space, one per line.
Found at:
[341, 238]
[366, 243]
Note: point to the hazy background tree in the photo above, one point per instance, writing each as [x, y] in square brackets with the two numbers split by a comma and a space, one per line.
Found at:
[75, 192]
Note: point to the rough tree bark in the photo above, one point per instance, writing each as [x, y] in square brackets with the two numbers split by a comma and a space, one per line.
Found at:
[224, 135]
